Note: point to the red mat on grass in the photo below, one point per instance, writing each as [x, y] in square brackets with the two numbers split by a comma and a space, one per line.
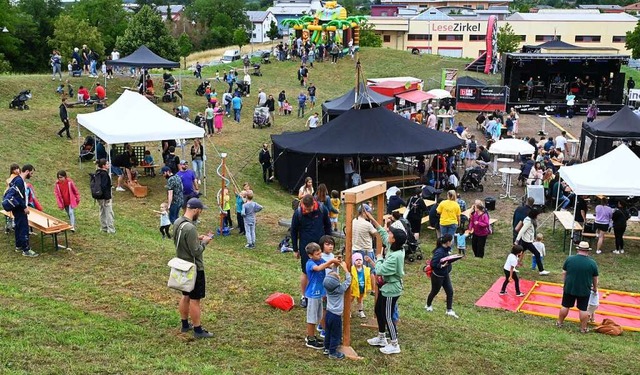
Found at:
[543, 299]
[493, 299]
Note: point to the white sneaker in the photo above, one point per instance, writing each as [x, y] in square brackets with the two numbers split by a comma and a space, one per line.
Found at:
[621, 251]
[428, 308]
[378, 341]
[544, 273]
[616, 252]
[120, 189]
[598, 251]
[390, 349]
[361, 314]
[452, 314]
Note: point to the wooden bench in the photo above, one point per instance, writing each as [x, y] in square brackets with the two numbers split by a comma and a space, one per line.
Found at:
[46, 224]
[607, 235]
[139, 191]
[395, 179]
[567, 221]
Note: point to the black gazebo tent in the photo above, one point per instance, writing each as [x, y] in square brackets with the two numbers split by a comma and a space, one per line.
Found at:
[144, 57]
[469, 81]
[358, 132]
[623, 125]
[365, 99]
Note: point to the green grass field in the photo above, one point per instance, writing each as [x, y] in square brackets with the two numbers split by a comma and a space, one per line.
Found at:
[104, 308]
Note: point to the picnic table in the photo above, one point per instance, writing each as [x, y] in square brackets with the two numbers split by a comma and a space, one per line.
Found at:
[46, 224]
[567, 221]
[395, 179]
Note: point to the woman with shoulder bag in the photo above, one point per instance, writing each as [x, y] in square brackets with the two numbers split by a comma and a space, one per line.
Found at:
[415, 210]
[440, 274]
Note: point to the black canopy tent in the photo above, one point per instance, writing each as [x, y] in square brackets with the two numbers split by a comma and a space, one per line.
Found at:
[365, 98]
[357, 133]
[144, 57]
[624, 125]
[469, 81]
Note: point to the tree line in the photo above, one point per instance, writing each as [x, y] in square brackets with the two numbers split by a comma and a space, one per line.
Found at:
[31, 29]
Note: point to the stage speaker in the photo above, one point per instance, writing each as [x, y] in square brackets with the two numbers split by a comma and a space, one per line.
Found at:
[514, 85]
[617, 88]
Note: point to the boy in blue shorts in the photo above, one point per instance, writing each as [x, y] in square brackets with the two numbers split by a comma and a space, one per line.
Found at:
[315, 270]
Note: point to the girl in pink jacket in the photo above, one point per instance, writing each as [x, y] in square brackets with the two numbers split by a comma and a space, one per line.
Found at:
[67, 197]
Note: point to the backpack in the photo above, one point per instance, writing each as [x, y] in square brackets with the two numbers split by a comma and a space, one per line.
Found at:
[170, 162]
[428, 269]
[472, 146]
[95, 184]
[12, 199]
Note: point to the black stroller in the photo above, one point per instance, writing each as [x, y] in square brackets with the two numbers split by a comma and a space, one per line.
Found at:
[202, 88]
[412, 246]
[265, 58]
[256, 70]
[20, 100]
[472, 179]
[88, 148]
[242, 88]
[261, 117]
[171, 88]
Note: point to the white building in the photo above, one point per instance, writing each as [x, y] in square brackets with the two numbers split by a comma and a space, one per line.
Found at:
[283, 9]
[261, 21]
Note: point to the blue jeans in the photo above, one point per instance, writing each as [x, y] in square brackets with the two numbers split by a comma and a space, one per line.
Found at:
[332, 332]
[92, 67]
[236, 114]
[227, 108]
[448, 229]
[301, 111]
[197, 168]
[174, 212]
[21, 228]
[533, 262]
[72, 215]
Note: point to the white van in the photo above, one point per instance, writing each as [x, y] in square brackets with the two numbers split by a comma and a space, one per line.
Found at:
[230, 55]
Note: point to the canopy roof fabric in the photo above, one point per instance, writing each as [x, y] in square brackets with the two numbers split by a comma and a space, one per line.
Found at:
[144, 57]
[415, 96]
[439, 93]
[375, 131]
[624, 123]
[133, 118]
[469, 81]
[613, 174]
[511, 146]
[366, 98]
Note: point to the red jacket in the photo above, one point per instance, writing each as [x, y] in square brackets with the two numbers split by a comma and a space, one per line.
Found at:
[74, 195]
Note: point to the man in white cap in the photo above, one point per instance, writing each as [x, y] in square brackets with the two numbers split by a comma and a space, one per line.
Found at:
[580, 274]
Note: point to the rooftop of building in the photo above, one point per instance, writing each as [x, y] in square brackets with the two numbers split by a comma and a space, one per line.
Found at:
[572, 16]
[257, 15]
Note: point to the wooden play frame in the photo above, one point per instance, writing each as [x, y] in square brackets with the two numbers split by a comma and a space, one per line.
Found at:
[351, 198]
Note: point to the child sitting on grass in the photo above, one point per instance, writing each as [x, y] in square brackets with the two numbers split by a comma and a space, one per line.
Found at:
[510, 272]
[359, 289]
[335, 307]
[315, 291]
[541, 249]
[335, 203]
[164, 220]
[249, 210]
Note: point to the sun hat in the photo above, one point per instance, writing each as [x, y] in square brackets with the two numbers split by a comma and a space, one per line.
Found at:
[584, 246]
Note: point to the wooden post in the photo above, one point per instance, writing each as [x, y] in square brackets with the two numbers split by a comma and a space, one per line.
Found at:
[351, 198]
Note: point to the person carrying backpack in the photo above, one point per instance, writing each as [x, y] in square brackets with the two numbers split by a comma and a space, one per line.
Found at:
[472, 148]
[101, 192]
[15, 200]
[416, 207]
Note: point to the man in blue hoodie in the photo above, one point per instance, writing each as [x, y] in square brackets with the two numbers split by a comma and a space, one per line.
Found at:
[310, 221]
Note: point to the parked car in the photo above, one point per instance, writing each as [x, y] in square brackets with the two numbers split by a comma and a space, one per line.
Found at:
[230, 55]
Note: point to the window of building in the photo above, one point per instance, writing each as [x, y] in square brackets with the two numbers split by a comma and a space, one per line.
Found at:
[523, 38]
[547, 38]
[450, 37]
[619, 39]
[386, 38]
[588, 38]
[477, 37]
[419, 37]
[480, 7]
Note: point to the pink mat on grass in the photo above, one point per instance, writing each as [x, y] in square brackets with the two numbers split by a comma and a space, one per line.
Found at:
[493, 299]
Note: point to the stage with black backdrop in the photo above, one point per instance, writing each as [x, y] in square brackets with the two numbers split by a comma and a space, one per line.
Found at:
[540, 82]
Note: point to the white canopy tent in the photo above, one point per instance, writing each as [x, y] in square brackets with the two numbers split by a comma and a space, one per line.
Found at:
[613, 174]
[510, 146]
[133, 118]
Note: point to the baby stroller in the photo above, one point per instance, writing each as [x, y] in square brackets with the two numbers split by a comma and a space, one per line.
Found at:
[171, 92]
[265, 58]
[20, 100]
[472, 179]
[87, 150]
[202, 88]
[242, 88]
[256, 70]
[261, 117]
